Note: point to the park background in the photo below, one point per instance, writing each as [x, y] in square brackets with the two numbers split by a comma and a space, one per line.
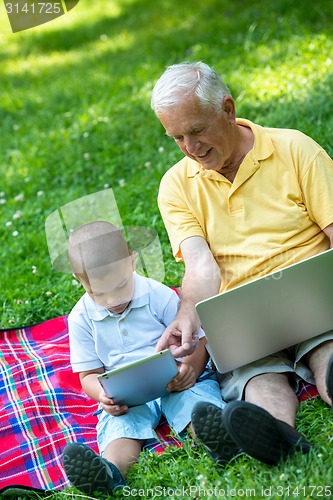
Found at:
[75, 119]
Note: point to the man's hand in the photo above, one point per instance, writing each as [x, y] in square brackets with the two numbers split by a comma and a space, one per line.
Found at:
[181, 336]
[185, 379]
[202, 279]
[110, 407]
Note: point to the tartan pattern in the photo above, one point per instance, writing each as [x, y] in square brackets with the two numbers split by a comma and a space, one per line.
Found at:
[42, 407]
[306, 391]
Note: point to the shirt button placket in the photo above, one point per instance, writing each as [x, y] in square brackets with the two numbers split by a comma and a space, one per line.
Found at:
[123, 331]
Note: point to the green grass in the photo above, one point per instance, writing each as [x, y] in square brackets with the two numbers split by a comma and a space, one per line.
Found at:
[75, 118]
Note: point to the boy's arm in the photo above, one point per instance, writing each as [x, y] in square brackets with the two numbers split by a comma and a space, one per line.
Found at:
[190, 369]
[90, 383]
[94, 390]
[199, 359]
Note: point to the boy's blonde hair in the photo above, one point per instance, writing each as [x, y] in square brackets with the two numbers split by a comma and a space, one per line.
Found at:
[94, 245]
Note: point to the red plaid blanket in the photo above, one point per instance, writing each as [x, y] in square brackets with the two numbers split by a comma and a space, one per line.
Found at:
[42, 407]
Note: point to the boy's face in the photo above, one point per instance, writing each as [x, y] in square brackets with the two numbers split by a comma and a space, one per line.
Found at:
[113, 286]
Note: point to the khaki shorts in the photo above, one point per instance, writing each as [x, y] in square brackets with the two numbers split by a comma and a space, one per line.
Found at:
[288, 361]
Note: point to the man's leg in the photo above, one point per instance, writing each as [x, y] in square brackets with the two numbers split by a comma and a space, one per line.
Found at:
[329, 380]
[317, 361]
[262, 425]
[273, 392]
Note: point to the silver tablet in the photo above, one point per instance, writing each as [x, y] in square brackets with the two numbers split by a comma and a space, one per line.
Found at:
[141, 381]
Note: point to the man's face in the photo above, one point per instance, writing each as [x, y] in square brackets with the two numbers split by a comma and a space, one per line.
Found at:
[204, 135]
[113, 286]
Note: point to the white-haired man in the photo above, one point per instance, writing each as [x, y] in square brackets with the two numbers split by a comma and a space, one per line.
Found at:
[243, 202]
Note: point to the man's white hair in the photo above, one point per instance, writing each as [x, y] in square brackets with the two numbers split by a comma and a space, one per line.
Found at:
[180, 81]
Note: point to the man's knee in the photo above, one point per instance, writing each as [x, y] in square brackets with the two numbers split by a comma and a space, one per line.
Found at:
[267, 383]
[318, 353]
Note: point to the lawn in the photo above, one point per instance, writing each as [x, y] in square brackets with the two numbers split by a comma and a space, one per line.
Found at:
[76, 120]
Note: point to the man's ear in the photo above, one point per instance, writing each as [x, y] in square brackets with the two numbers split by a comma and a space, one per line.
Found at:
[228, 106]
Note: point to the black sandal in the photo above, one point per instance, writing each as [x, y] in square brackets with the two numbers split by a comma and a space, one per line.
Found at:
[207, 423]
[261, 435]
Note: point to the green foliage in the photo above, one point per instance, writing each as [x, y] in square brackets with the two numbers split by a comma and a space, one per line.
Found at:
[189, 472]
[76, 118]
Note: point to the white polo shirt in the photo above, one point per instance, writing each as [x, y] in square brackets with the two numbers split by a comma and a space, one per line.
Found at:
[100, 338]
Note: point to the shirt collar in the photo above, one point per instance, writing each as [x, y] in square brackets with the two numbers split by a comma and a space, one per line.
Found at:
[140, 299]
[263, 146]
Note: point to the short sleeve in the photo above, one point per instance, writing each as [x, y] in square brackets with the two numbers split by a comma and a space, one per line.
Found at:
[317, 188]
[163, 302]
[83, 354]
[179, 220]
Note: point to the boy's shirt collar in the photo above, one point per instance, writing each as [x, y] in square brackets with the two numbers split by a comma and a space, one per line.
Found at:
[140, 299]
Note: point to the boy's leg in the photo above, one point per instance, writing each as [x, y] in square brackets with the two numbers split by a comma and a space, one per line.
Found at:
[177, 406]
[123, 453]
[89, 472]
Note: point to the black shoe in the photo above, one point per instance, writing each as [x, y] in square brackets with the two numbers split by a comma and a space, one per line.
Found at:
[261, 435]
[89, 472]
[329, 379]
[208, 426]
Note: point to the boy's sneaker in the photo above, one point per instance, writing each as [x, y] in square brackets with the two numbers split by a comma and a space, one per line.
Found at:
[329, 379]
[89, 472]
[209, 428]
[261, 435]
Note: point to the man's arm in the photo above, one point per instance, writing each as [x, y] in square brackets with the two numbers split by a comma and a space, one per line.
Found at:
[201, 280]
[328, 230]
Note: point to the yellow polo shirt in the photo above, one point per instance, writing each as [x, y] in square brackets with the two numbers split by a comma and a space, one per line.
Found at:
[271, 216]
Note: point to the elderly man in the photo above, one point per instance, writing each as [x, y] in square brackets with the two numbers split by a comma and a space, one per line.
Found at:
[243, 202]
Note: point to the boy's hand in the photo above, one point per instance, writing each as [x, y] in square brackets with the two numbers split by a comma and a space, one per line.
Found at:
[184, 379]
[110, 407]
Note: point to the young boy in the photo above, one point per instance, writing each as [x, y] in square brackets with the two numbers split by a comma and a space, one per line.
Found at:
[118, 320]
